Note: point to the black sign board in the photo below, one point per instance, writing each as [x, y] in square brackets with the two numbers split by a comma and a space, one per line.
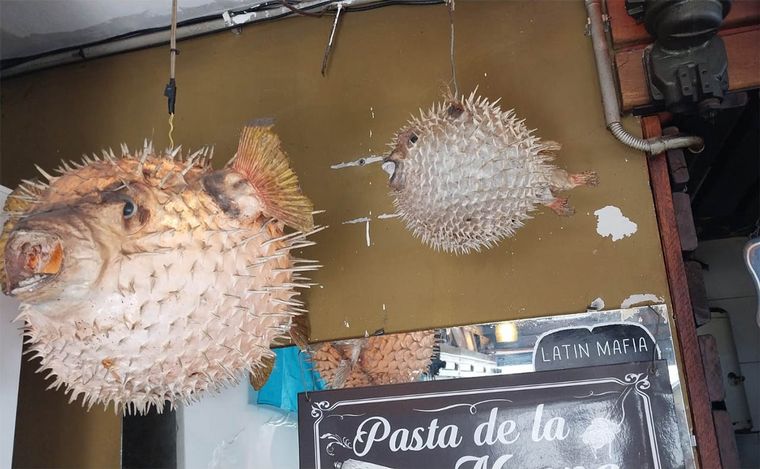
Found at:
[604, 344]
[605, 417]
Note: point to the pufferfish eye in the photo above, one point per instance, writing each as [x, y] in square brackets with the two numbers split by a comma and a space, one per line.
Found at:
[413, 138]
[129, 209]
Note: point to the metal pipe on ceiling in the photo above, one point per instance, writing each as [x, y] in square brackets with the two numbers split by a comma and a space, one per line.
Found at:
[225, 21]
[610, 99]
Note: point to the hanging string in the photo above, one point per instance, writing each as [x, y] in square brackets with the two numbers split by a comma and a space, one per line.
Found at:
[306, 385]
[171, 88]
[450, 4]
[171, 130]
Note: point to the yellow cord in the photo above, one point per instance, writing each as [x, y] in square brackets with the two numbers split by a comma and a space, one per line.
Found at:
[171, 131]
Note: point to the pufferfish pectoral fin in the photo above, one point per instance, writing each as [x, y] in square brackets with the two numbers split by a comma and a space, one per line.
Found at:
[259, 180]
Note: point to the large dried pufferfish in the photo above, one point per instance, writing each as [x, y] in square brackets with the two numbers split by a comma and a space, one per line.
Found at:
[465, 174]
[149, 278]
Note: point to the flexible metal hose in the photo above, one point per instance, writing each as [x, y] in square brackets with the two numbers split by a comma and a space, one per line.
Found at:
[656, 145]
[609, 95]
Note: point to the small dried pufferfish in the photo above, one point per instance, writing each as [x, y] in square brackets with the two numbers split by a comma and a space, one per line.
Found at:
[151, 278]
[375, 360]
[466, 174]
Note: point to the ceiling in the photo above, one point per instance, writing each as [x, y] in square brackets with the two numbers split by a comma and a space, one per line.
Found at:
[33, 27]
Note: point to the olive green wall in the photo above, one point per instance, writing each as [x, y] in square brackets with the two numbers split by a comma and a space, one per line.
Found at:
[386, 64]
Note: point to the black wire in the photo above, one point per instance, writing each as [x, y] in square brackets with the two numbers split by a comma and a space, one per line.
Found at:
[78, 49]
[384, 3]
[270, 5]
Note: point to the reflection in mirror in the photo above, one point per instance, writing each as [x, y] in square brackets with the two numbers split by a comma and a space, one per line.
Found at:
[575, 341]
[508, 347]
[566, 341]
[376, 360]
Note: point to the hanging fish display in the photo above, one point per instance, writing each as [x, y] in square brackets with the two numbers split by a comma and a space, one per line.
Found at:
[152, 277]
[375, 360]
[465, 174]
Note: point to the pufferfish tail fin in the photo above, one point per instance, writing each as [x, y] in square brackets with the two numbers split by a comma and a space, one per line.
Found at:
[299, 335]
[263, 162]
[299, 331]
[259, 376]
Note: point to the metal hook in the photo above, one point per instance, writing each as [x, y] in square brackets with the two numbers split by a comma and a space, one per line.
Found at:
[328, 49]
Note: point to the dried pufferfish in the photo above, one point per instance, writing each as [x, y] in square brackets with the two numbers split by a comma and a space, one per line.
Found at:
[375, 360]
[152, 278]
[466, 174]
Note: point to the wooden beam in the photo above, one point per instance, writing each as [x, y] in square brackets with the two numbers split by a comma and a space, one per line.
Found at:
[699, 399]
[742, 48]
[627, 33]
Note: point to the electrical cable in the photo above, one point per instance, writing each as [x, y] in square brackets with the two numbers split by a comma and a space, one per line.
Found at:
[261, 7]
[301, 12]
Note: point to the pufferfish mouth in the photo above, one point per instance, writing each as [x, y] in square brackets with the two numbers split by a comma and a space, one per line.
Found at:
[391, 167]
[31, 260]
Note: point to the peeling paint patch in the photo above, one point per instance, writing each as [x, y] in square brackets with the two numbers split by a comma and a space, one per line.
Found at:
[597, 304]
[611, 222]
[364, 220]
[360, 162]
[639, 298]
[356, 220]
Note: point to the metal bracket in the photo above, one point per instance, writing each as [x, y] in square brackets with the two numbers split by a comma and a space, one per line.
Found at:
[687, 66]
[695, 79]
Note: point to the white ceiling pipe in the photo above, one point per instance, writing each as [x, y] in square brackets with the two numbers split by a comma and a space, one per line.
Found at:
[224, 21]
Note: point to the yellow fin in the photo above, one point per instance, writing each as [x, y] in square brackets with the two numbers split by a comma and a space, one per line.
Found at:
[261, 159]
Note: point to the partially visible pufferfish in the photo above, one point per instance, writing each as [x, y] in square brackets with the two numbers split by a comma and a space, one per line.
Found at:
[375, 360]
[465, 174]
[151, 278]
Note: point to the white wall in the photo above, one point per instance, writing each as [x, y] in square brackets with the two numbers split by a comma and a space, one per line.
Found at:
[225, 432]
[729, 286]
[10, 365]
[32, 27]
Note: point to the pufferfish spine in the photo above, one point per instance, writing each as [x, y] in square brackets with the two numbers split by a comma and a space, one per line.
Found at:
[149, 278]
[465, 174]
